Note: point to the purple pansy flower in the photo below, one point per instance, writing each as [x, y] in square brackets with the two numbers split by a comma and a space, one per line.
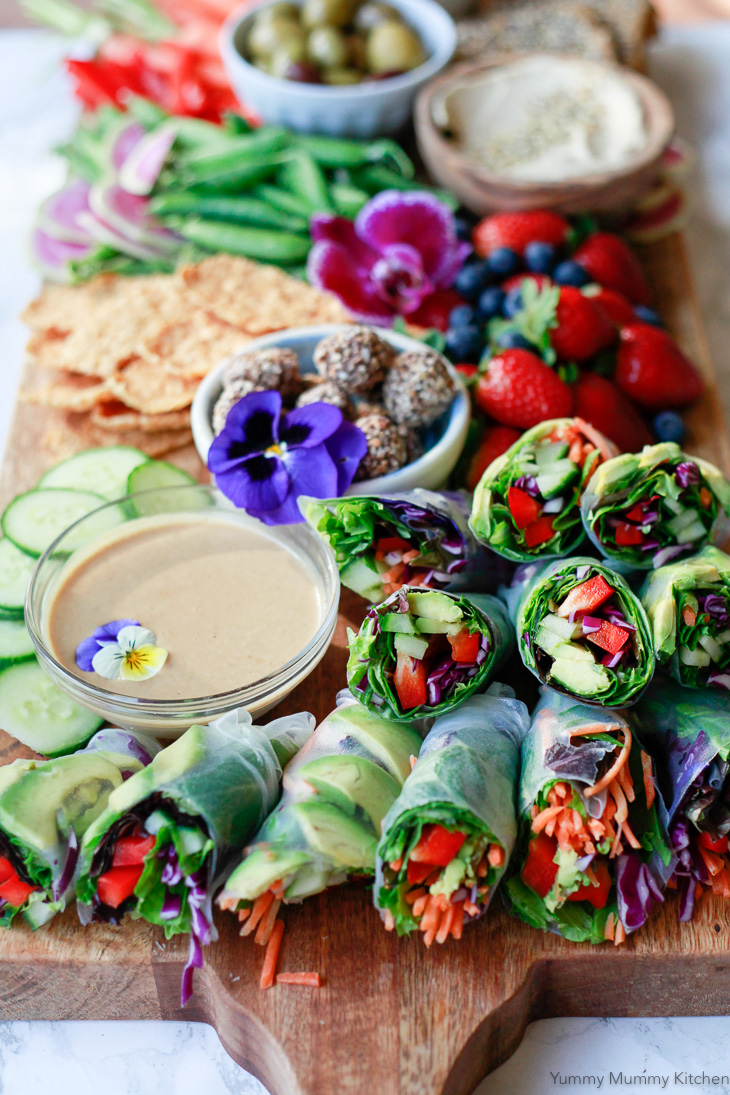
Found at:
[103, 636]
[263, 460]
[401, 248]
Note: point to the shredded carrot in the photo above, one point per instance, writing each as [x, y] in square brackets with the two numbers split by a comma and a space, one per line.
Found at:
[445, 927]
[396, 864]
[622, 808]
[620, 935]
[419, 905]
[260, 907]
[228, 904]
[271, 957]
[541, 820]
[430, 935]
[394, 573]
[646, 768]
[712, 861]
[431, 916]
[414, 895]
[457, 923]
[495, 855]
[310, 980]
[609, 932]
[243, 914]
[627, 786]
[618, 763]
[471, 908]
[689, 615]
[413, 760]
[409, 556]
[575, 453]
[388, 921]
[266, 923]
[705, 498]
[482, 869]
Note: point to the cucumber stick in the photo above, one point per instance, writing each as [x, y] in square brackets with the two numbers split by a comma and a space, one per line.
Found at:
[100, 471]
[35, 519]
[40, 715]
[15, 643]
[15, 570]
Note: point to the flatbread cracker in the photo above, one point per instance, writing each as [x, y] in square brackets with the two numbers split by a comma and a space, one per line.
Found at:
[116, 417]
[145, 386]
[77, 434]
[194, 346]
[257, 298]
[60, 308]
[69, 392]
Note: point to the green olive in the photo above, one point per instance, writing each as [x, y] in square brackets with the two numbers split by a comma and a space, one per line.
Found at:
[320, 13]
[280, 10]
[342, 76]
[357, 50]
[286, 55]
[372, 13]
[393, 47]
[265, 38]
[327, 47]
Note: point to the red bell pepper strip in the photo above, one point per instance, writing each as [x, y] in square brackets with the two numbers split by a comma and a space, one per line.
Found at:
[627, 535]
[539, 871]
[117, 884]
[437, 846]
[524, 508]
[130, 851]
[539, 531]
[719, 845]
[609, 637]
[16, 892]
[410, 681]
[597, 896]
[586, 597]
[465, 646]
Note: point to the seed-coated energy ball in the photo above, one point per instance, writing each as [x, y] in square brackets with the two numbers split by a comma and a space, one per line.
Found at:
[267, 370]
[326, 392]
[418, 388]
[414, 444]
[386, 446]
[229, 396]
[356, 359]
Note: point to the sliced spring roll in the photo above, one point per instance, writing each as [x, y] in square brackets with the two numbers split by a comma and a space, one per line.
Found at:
[168, 834]
[45, 809]
[448, 837]
[645, 509]
[582, 630]
[688, 734]
[592, 856]
[421, 653]
[336, 792]
[688, 606]
[418, 538]
[527, 503]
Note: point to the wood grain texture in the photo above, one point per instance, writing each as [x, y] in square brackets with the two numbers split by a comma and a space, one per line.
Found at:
[391, 1017]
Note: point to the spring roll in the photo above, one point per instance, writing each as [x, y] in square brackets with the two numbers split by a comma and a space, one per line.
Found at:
[40, 834]
[592, 855]
[418, 538]
[582, 630]
[168, 834]
[336, 792]
[646, 509]
[448, 837]
[688, 606]
[688, 734]
[421, 653]
[527, 503]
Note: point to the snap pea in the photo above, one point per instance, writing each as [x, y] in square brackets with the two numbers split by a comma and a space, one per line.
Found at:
[376, 177]
[303, 176]
[241, 176]
[239, 154]
[145, 111]
[334, 152]
[236, 124]
[283, 200]
[242, 209]
[263, 244]
[348, 200]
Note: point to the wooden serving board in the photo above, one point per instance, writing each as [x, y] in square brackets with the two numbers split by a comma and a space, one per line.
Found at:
[391, 1018]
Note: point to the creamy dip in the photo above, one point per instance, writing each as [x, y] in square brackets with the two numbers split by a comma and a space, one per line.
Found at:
[545, 119]
[230, 605]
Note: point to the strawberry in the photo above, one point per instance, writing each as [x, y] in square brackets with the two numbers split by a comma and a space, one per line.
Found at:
[613, 264]
[436, 309]
[542, 281]
[618, 309]
[583, 328]
[651, 368]
[516, 230]
[601, 403]
[519, 389]
[496, 440]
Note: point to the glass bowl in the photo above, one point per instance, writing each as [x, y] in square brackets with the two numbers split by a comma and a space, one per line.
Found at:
[168, 718]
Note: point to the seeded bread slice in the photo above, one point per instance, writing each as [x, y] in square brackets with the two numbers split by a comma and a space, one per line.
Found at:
[554, 28]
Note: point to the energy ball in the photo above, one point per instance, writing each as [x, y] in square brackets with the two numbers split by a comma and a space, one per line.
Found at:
[230, 395]
[326, 392]
[414, 444]
[356, 359]
[386, 446]
[268, 370]
[418, 388]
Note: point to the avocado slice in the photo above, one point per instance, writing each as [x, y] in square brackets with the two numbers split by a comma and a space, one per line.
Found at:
[11, 773]
[399, 622]
[76, 787]
[259, 870]
[167, 766]
[349, 782]
[327, 830]
[432, 605]
[582, 677]
[389, 744]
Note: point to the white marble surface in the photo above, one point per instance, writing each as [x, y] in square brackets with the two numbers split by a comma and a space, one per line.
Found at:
[628, 1055]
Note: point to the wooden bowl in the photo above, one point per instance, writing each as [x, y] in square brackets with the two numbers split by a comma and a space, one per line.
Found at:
[483, 191]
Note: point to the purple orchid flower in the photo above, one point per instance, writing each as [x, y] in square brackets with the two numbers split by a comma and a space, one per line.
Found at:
[103, 636]
[401, 248]
[263, 460]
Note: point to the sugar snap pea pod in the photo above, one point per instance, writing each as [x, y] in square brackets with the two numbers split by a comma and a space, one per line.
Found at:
[527, 503]
[164, 841]
[45, 809]
[421, 653]
[687, 732]
[382, 543]
[336, 152]
[283, 200]
[264, 244]
[348, 200]
[204, 166]
[377, 177]
[645, 509]
[593, 855]
[448, 837]
[241, 209]
[336, 792]
[582, 630]
[688, 606]
[302, 175]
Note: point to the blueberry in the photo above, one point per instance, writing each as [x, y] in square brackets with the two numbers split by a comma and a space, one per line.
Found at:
[513, 302]
[648, 315]
[570, 273]
[463, 228]
[540, 257]
[512, 340]
[504, 262]
[668, 426]
[462, 316]
[491, 303]
[471, 279]
[465, 344]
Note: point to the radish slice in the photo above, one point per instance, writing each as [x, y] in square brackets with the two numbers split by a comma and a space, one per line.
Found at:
[58, 216]
[103, 232]
[126, 141]
[141, 170]
[52, 255]
[129, 215]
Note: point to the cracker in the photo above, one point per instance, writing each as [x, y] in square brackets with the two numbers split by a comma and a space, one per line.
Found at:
[259, 299]
[77, 434]
[145, 386]
[116, 417]
[194, 346]
[60, 308]
[70, 392]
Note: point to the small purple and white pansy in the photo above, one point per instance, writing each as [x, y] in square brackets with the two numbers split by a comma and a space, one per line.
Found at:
[121, 650]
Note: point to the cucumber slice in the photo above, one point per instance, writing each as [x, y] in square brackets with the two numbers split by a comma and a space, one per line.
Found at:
[399, 622]
[15, 570]
[411, 645]
[100, 471]
[155, 475]
[40, 715]
[35, 519]
[15, 643]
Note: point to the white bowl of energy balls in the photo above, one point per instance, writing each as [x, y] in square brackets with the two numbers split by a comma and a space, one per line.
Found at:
[408, 400]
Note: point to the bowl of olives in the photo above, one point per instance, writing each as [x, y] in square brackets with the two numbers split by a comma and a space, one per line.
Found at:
[342, 67]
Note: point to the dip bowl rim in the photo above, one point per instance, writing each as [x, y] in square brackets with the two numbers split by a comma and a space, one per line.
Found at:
[171, 717]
